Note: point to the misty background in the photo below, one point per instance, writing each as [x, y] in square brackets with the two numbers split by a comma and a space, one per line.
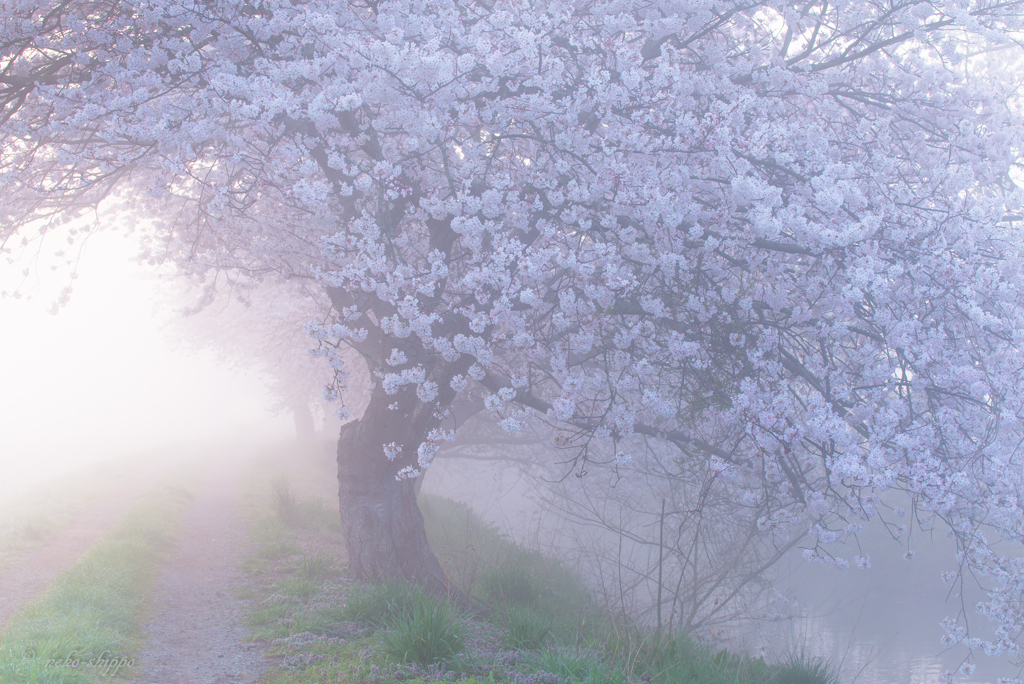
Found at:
[112, 374]
[106, 375]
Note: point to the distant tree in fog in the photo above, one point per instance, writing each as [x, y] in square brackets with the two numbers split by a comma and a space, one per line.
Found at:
[781, 237]
[262, 328]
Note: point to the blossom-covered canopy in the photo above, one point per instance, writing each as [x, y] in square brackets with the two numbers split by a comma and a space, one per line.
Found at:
[782, 236]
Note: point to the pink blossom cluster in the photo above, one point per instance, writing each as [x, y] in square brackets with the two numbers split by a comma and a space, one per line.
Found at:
[783, 236]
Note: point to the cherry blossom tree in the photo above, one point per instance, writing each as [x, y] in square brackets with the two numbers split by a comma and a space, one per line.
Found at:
[779, 236]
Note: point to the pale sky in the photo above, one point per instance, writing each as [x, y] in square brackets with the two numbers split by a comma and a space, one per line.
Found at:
[102, 378]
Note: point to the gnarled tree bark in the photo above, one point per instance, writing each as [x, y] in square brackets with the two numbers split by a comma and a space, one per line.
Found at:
[384, 529]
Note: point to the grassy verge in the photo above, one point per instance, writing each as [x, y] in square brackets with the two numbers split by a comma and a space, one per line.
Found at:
[542, 628]
[493, 569]
[84, 628]
[33, 517]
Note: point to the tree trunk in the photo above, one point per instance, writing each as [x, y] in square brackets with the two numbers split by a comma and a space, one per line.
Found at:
[383, 526]
[305, 428]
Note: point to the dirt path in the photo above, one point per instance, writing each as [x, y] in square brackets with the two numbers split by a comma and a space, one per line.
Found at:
[35, 571]
[195, 634]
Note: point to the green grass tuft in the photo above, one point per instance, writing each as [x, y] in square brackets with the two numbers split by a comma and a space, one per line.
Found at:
[525, 628]
[579, 666]
[681, 660]
[298, 587]
[286, 505]
[317, 566]
[803, 669]
[433, 633]
[382, 604]
[512, 582]
[299, 513]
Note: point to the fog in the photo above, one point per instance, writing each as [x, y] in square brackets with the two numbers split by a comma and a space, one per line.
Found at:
[880, 625]
[106, 376]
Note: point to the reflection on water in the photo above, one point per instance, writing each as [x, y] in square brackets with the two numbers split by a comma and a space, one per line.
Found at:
[881, 625]
[866, 661]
